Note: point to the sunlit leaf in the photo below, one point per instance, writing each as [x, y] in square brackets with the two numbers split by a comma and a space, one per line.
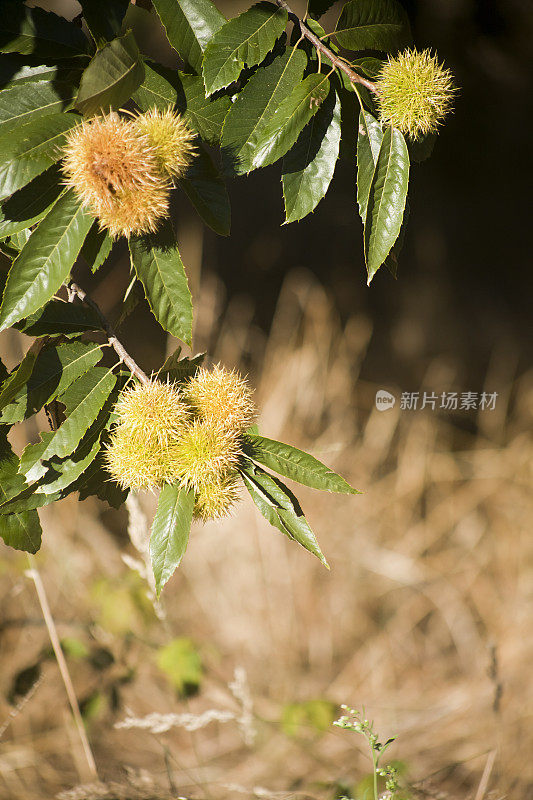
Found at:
[309, 165]
[170, 532]
[158, 264]
[243, 41]
[46, 260]
[254, 108]
[190, 25]
[114, 73]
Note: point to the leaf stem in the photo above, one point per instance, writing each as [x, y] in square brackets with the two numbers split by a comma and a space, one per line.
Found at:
[76, 291]
[337, 61]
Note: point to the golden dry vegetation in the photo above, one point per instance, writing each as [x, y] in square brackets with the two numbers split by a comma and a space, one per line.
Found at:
[423, 618]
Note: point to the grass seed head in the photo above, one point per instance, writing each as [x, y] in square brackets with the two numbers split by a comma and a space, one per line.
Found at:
[415, 93]
[115, 173]
[221, 397]
[170, 138]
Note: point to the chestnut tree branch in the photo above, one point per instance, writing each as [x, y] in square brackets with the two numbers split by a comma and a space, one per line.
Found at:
[337, 62]
[76, 291]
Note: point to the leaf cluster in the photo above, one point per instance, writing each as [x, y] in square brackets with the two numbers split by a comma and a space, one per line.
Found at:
[252, 87]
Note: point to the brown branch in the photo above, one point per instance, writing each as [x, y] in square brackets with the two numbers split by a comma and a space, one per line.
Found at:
[76, 291]
[337, 62]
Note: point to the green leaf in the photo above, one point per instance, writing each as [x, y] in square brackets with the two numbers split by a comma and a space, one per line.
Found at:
[15, 70]
[45, 262]
[170, 532]
[254, 108]
[13, 384]
[316, 8]
[163, 87]
[190, 25]
[114, 73]
[295, 464]
[309, 166]
[31, 203]
[96, 247]
[243, 41]
[24, 102]
[179, 369]
[369, 140]
[158, 265]
[206, 189]
[58, 318]
[386, 202]
[33, 31]
[36, 147]
[280, 507]
[373, 25]
[83, 402]
[19, 530]
[291, 116]
[104, 18]
[51, 373]
[180, 661]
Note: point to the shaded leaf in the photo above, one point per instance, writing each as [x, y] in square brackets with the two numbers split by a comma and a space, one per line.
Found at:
[22, 103]
[292, 115]
[31, 203]
[369, 138]
[33, 31]
[170, 532]
[316, 8]
[96, 247]
[163, 87]
[295, 464]
[21, 530]
[104, 18]
[179, 369]
[35, 148]
[114, 73]
[83, 402]
[51, 373]
[280, 507]
[58, 318]
[386, 202]
[373, 25]
[158, 265]
[243, 41]
[254, 108]
[14, 69]
[45, 262]
[190, 25]
[309, 166]
[206, 189]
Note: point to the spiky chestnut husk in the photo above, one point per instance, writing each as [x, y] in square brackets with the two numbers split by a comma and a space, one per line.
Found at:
[415, 93]
[215, 499]
[205, 453]
[153, 410]
[136, 462]
[115, 173]
[221, 397]
[170, 138]
[142, 452]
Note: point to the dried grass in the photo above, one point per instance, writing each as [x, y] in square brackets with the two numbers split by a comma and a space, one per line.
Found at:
[423, 617]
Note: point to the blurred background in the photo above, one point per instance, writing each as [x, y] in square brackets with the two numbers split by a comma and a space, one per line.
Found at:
[423, 618]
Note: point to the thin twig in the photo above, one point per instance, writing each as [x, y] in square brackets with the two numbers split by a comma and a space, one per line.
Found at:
[484, 782]
[337, 62]
[117, 346]
[33, 573]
